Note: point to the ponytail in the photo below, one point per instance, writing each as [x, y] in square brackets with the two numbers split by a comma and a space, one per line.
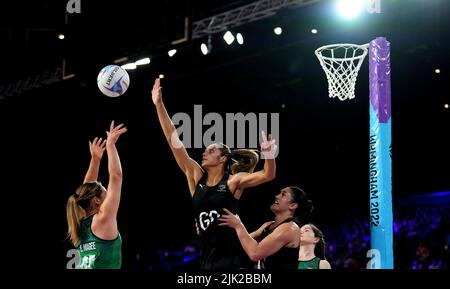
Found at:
[305, 205]
[245, 161]
[74, 215]
[239, 160]
[319, 249]
[76, 208]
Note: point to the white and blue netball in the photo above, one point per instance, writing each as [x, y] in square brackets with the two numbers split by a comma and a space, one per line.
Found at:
[113, 80]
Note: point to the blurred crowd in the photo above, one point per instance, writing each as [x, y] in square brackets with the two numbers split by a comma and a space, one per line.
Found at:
[421, 240]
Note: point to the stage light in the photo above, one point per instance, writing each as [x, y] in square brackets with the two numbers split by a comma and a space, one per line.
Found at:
[314, 31]
[172, 52]
[143, 61]
[277, 30]
[228, 37]
[204, 49]
[129, 66]
[350, 8]
[239, 38]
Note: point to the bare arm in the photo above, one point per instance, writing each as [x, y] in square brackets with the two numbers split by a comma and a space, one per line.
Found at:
[105, 223]
[246, 180]
[97, 147]
[190, 168]
[256, 251]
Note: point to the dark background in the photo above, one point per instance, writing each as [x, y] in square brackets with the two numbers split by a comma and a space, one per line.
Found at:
[323, 142]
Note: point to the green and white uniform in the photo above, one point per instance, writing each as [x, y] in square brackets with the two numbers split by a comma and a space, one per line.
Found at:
[311, 264]
[96, 253]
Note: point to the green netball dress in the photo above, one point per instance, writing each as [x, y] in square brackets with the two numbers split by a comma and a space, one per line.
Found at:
[311, 264]
[96, 253]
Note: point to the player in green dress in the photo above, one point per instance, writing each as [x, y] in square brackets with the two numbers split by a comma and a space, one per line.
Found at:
[312, 249]
[92, 209]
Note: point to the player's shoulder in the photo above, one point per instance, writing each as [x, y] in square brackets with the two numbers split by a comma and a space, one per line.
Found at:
[267, 224]
[324, 264]
[289, 227]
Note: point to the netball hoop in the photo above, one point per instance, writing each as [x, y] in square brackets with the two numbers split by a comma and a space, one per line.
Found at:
[341, 63]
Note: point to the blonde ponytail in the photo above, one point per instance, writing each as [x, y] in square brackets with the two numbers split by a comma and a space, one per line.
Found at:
[239, 160]
[74, 215]
[244, 160]
[77, 205]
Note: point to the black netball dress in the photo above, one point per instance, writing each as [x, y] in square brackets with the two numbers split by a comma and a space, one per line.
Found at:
[219, 245]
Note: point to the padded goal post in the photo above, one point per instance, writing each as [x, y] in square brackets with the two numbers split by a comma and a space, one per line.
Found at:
[341, 63]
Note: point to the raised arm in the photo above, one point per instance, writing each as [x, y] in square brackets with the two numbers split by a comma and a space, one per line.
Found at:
[190, 168]
[96, 147]
[246, 180]
[105, 222]
[257, 251]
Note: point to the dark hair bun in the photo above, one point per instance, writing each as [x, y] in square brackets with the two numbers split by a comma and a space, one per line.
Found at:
[309, 207]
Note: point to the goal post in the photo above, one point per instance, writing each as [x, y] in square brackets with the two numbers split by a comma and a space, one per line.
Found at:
[341, 63]
[380, 153]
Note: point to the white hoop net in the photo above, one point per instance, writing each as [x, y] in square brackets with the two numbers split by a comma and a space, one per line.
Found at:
[341, 63]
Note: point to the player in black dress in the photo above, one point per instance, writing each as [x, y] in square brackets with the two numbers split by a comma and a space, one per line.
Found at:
[218, 183]
[276, 243]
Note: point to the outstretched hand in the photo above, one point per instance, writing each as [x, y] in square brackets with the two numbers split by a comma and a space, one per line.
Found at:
[114, 133]
[229, 219]
[97, 147]
[156, 92]
[268, 147]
